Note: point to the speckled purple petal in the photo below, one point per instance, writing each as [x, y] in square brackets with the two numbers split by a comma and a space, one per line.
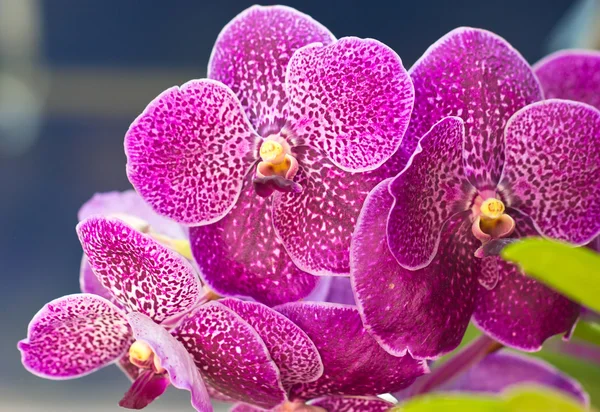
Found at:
[146, 388]
[354, 363]
[432, 189]
[251, 55]
[521, 312]
[241, 255]
[352, 404]
[552, 169]
[425, 311]
[498, 371]
[231, 355]
[476, 75]
[316, 225]
[143, 275]
[130, 203]
[188, 152]
[173, 357]
[73, 336]
[292, 351]
[352, 100]
[572, 75]
[89, 283]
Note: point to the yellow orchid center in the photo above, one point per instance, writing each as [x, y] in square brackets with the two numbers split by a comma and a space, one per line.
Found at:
[492, 209]
[272, 152]
[140, 353]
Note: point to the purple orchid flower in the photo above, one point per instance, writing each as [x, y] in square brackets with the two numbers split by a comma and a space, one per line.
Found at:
[355, 367]
[506, 164]
[270, 158]
[78, 334]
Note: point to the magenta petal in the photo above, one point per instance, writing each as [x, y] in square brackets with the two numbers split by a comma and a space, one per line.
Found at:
[143, 275]
[426, 311]
[292, 351]
[174, 358]
[521, 312]
[231, 356]
[352, 404]
[476, 75]
[552, 169]
[130, 203]
[144, 390]
[354, 363]
[498, 371]
[242, 256]
[572, 75]
[316, 225]
[73, 336]
[352, 100]
[251, 55]
[188, 152]
[432, 189]
[89, 283]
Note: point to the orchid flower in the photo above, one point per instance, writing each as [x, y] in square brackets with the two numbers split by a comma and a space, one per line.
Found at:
[503, 164]
[78, 334]
[270, 159]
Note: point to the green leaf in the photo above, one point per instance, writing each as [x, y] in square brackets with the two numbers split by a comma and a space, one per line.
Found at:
[574, 272]
[452, 402]
[535, 398]
[589, 332]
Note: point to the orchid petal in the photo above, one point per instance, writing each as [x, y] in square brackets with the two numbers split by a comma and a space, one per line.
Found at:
[251, 55]
[73, 336]
[231, 356]
[552, 169]
[572, 75]
[424, 312]
[476, 75]
[143, 275]
[128, 202]
[351, 99]
[520, 312]
[292, 351]
[89, 283]
[173, 357]
[352, 404]
[497, 371]
[316, 225]
[431, 190]
[147, 387]
[241, 255]
[188, 152]
[354, 363]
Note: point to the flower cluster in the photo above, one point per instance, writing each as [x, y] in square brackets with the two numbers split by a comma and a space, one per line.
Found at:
[312, 223]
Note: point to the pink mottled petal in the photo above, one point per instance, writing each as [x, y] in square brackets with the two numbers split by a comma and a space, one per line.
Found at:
[231, 356]
[89, 283]
[488, 278]
[188, 152]
[572, 75]
[431, 190]
[128, 202]
[292, 351]
[354, 363]
[552, 169]
[426, 311]
[242, 256]
[476, 75]
[316, 225]
[144, 390]
[73, 336]
[520, 312]
[143, 275]
[352, 404]
[251, 55]
[174, 358]
[215, 394]
[352, 100]
[498, 371]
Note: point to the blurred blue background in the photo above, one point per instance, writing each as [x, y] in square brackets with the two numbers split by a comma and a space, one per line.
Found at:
[74, 74]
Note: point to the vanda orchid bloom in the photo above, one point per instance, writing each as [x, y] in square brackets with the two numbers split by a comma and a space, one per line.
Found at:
[504, 164]
[270, 159]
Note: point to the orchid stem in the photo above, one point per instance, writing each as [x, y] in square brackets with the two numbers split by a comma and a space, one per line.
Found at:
[459, 363]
